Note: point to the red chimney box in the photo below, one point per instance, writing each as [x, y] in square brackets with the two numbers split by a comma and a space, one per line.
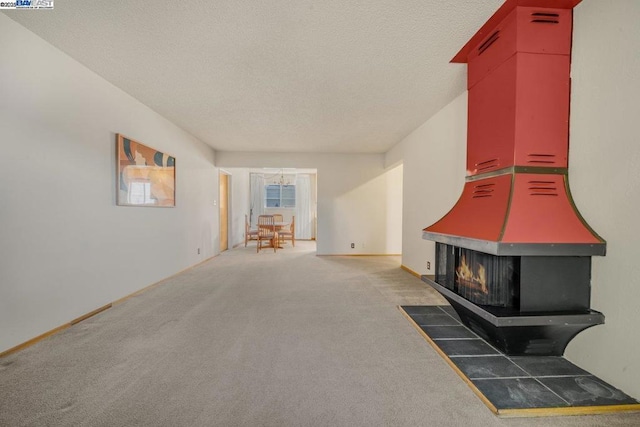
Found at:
[516, 199]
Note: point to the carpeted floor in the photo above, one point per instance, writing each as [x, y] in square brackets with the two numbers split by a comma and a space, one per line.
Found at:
[246, 339]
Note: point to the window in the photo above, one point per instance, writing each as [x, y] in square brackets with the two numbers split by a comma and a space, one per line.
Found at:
[280, 196]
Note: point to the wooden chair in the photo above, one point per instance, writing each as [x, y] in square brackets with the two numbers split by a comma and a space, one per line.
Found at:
[278, 218]
[266, 232]
[290, 233]
[249, 234]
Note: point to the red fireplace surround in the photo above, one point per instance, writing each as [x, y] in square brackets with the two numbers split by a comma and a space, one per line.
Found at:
[516, 200]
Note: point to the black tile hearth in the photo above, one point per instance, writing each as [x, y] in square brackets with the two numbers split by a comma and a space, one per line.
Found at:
[435, 320]
[516, 385]
[450, 311]
[586, 390]
[543, 366]
[452, 331]
[517, 393]
[426, 309]
[485, 367]
[465, 347]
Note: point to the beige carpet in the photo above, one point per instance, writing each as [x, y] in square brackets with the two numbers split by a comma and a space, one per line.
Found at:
[246, 339]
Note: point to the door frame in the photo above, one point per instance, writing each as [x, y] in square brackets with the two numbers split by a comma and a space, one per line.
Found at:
[222, 212]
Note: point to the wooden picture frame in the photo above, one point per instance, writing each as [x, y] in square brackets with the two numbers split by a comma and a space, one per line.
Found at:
[145, 176]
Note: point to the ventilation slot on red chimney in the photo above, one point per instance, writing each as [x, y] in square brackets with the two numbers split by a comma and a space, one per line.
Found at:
[545, 18]
[543, 188]
[491, 40]
[483, 190]
[541, 158]
[487, 164]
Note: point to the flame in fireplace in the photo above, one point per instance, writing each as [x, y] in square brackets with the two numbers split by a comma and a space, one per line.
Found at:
[465, 276]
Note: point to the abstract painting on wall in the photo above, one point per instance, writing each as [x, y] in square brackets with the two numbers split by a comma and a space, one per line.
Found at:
[146, 177]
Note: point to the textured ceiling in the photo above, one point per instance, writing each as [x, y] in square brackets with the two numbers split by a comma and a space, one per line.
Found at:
[281, 75]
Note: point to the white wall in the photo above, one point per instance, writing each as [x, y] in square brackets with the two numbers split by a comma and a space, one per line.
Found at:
[603, 169]
[352, 197]
[65, 247]
[433, 159]
[370, 216]
[394, 187]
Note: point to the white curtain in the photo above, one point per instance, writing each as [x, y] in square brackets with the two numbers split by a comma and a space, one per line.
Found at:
[304, 219]
[257, 198]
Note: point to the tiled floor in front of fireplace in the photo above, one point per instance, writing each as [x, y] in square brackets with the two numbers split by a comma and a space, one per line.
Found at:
[515, 385]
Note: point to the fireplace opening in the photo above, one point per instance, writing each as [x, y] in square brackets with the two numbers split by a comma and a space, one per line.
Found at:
[515, 284]
[478, 277]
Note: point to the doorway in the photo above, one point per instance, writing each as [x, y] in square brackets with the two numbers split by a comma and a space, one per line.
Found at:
[289, 192]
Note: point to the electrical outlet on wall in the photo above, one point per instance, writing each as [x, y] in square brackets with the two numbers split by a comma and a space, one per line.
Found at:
[428, 265]
[353, 245]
